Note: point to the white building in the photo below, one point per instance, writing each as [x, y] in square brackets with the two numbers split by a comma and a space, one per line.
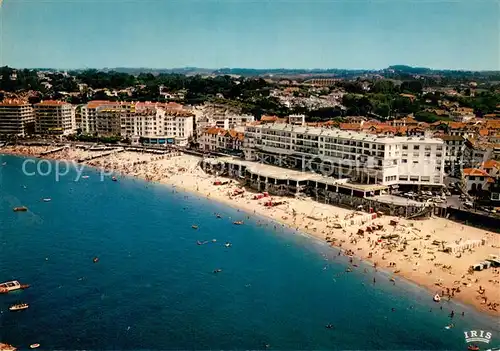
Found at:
[475, 180]
[16, 118]
[55, 117]
[364, 158]
[179, 125]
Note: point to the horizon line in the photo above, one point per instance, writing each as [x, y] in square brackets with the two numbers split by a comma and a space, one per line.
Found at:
[256, 69]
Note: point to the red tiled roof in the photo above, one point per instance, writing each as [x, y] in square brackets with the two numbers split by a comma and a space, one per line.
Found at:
[13, 102]
[491, 164]
[475, 172]
[51, 103]
[269, 118]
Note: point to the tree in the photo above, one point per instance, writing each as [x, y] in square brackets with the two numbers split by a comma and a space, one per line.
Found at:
[383, 86]
[412, 86]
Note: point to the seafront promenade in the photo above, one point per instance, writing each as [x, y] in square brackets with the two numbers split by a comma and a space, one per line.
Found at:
[413, 249]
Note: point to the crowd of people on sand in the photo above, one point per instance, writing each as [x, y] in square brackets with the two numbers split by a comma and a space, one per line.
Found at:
[401, 245]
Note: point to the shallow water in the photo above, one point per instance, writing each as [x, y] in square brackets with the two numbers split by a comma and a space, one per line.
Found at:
[154, 287]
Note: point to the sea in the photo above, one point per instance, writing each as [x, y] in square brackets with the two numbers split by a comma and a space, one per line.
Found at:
[154, 288]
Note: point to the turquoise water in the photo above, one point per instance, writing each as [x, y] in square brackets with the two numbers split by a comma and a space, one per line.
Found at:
[154, 287]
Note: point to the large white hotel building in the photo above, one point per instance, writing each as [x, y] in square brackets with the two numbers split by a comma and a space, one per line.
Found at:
[364, 158]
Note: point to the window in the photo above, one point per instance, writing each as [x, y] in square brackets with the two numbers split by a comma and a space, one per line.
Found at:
[416, 147]
[415, 162]
[415, 154]
[425, 179]
[403, 178]
[413, 178]
[472, 178]
[427, 154]
[404, 160]
[405, 147]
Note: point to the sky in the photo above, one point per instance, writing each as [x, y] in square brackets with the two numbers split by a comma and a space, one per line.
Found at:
[368, 34]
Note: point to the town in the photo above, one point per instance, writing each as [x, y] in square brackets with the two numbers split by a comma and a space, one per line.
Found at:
[426, 142]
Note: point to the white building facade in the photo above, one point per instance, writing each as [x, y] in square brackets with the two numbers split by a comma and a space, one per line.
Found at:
[363, 158]
[16, 118]
[55, 117]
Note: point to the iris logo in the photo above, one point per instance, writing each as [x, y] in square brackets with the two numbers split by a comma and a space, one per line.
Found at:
[477, 336]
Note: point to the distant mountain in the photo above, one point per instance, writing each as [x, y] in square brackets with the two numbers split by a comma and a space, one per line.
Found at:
[410, 70]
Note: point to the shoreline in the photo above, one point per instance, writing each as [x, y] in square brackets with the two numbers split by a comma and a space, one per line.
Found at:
[293, 216]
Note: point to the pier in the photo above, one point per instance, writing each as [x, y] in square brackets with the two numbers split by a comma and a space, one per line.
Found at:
[54, 150]
[104, 154]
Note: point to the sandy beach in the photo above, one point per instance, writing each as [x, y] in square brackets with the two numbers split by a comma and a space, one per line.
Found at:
[404, 248]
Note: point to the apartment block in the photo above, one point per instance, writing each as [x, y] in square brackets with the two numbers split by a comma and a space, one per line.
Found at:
[361, 157]
[454, 156]
[54, 117]
[179, 125]
[16, 118]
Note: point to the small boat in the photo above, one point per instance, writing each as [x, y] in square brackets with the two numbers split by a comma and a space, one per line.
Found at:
[4, 163]
[436, 298]
[217, 270]
[85, 177]
[34, 346]
[238, 222]
[228, 244]
[392, 280]
[12, 286]
[218, 215]
[19, 307]
[114, 179]
[96, 259]
[473, 348]
[348, 270]
[194, 226]
[20, 209]
[449, 326]
[46, 200]
[329, 326]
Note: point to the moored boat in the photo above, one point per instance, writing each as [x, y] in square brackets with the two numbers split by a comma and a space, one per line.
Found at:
[114, 179]
[19, 307]
[238, 222]
[47, 199]
[436, 298]
[12, 286]
[20, 209]
[194, 226]
[34, 346]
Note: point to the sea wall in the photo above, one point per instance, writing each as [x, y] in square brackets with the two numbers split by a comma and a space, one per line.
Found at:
[474, 219]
